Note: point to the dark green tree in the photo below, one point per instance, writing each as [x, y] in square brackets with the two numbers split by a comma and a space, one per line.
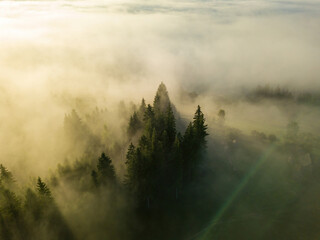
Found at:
[131, 176]
[161, 100]
[5, 175]
[200, 128]
[11, 213]
[142, 109]
[134, 125]
[163, 160]
[43, 188]
[149, 121]
[106, 173]
[170, 125]
[193, 146]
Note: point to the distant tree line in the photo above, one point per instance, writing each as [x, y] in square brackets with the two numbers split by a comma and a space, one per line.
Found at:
[278, 93]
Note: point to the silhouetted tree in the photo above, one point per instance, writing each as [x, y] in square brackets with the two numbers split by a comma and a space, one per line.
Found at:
[170, 125]
[5, 175]
[131, 176]
[134, 125]
[161, 100]
[43, 188]
[106, 173]
[199, 128]
[193, 145]
[142, 109]
[163, 160]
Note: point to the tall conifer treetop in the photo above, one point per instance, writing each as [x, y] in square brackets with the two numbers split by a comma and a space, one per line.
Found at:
[105, 168]
[43, 188]
[161, 100]
[163, 159]
[199, 126]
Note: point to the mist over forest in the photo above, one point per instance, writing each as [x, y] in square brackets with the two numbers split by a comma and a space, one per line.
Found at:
[160, 120]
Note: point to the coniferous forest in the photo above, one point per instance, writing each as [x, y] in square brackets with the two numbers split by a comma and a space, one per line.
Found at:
[176, 181]
[159, 120]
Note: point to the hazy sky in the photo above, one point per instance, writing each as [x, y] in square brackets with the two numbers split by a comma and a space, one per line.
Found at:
[94, 44]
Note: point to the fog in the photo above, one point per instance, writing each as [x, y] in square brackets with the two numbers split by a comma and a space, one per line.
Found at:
[56, 56]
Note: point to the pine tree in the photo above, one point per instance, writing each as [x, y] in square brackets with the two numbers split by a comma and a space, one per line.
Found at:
[149, 114]
[188, 152]
[5, 175]
[170, 125]
[11, 214]
[163, 160]
[188, 139]
[130, 154]
[149, 121]
[73, 124]
[134, 125]
[142, 109]
[200, 128]
[131, 166]
[177, 163]
[43, 188]
[161, 100]
[106, 171]
[193, 146]
[154, 141]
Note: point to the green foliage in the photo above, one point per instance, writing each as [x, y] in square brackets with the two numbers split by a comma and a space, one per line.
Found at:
[79, 136]
[171, 179]
[281, 94]
[170, 125]
[142, 109]
[73, 125]
[105, 174]
[33, 216]
[134, 125]
[163, 160]
[43, 188]
[161, 100]
[267, 92]
[5, 175]
[199, 128]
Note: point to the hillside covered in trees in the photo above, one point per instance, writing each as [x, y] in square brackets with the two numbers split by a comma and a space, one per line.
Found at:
[164, 177]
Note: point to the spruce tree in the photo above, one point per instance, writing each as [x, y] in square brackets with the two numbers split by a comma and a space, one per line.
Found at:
[106, 171]
[43, 188]
[161, 100]
[149, 121]
[134, 125]
[200, 128]
[142, 109]
[170, 125]
[193, 146]
[131, 166]
[5, 175]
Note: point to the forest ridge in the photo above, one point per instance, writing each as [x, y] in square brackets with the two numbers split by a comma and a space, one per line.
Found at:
[155, 181]
[161, 163]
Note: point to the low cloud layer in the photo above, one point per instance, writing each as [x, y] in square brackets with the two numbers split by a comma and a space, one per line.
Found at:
[216, 43]
[52, 52]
